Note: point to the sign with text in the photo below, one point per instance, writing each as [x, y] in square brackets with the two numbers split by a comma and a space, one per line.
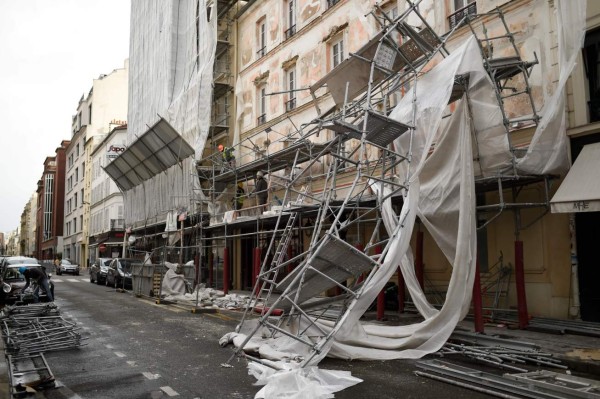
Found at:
[114, 150]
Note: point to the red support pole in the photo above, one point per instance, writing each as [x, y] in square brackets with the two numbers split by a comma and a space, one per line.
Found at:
[225, 270]
[381, 295]
[401, 294]
[520, 282]
[477, 302]
[419, 260]
[211, 261]
[256, 271]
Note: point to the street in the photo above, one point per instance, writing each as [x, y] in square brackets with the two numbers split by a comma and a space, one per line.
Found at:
[138, 349]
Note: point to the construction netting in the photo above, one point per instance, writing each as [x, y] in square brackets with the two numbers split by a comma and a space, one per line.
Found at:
[171, 64]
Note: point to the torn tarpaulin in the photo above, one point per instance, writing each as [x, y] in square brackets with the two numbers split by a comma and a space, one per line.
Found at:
[309, 382]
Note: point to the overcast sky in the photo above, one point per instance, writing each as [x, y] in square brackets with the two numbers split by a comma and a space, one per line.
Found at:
[50, 52]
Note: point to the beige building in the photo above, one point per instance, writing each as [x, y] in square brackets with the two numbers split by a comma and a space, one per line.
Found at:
[284, 48]
[98, 112]
[28, 227]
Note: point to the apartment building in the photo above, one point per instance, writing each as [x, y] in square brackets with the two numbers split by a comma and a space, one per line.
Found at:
[50, 205]
[107, 223]
[98, 112]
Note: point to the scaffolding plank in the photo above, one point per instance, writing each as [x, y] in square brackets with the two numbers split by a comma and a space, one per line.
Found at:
[275, 161]
[354, 72]
[334, 258]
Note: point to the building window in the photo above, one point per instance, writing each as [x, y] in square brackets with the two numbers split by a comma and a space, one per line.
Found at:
[77, 151]
[81, 221]
[262, 105]
[76, 175]
[462, 8]
[90, 114]
[291, 87]
[291, 19]
[261, 38]
[75, 199]
[337, 51]
[74, 225]
[48, 205]
[591, 57]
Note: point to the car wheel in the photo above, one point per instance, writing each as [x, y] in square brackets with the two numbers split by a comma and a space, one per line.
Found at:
[91, 278]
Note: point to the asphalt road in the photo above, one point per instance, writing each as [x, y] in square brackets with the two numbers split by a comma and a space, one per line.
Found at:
[138, 349]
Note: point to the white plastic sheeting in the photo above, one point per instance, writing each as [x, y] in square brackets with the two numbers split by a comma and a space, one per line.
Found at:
[172, 52]
[441, 194]
[547, 152]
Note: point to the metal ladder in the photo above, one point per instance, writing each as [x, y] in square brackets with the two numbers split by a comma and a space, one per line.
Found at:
[269, 277]
[505, 69]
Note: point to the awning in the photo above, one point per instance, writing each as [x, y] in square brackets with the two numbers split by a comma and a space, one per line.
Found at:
[155, 151]
[580, 191]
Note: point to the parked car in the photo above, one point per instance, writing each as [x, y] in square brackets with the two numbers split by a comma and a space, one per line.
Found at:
[13, 281]
[119, 272]
[15, 260]
[65, 266]
[99, 270]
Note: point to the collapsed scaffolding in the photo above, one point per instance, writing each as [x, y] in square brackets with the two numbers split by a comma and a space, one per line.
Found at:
[289, 302]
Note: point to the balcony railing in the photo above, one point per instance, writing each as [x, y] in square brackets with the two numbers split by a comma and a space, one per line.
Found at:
[290, 105]
[331, 3]
[457, 17]
[117, 224]
[261, 52]
[290, 32]
[261, 119]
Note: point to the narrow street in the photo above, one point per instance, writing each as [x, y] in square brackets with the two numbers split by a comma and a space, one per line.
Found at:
[137, 349]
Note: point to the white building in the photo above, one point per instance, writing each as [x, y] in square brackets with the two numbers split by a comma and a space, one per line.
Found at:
[104, 107]
[106, 227]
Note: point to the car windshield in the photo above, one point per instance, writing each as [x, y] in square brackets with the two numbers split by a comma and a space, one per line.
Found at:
[66, 262]
[107, 262]
[19, 261]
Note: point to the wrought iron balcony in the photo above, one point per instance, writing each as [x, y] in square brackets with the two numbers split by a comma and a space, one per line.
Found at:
[331, 3]
[460, 14]
[261, 52]
[290, 105]
[261, 119]
[290, 32]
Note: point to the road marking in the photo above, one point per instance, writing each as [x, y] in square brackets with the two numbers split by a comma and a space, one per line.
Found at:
[131, 363]
[74, 280]
[151, 376]
[109, 346]
[57, 280]
[169, 391]
[120, 354]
